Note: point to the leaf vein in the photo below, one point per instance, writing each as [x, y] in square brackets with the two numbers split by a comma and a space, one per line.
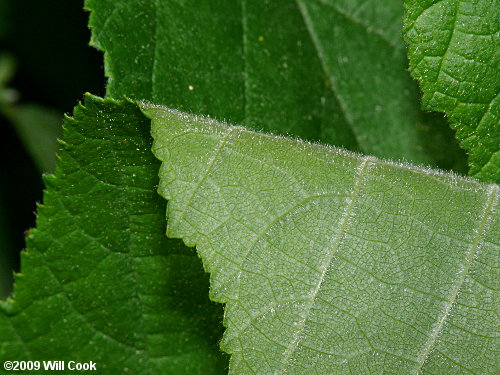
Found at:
[211, 163]
[319, 51]
[343, 223]
[449, 304]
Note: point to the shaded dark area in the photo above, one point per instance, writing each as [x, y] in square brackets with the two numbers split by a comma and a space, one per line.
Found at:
[54, 67]
[20, 189]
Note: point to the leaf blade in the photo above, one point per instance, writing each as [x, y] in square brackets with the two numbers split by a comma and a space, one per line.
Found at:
[38, 128]
[318, 253]
[100, 281]
[453, 51]
[320, 80]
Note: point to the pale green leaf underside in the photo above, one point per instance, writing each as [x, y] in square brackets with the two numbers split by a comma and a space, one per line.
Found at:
[330, 262]
[454, 53]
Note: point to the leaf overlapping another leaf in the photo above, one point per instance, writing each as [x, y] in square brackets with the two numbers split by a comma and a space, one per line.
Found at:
[100, 281]
[324, 70]
[330, 262]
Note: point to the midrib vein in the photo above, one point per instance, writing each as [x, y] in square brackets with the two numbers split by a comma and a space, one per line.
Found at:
[319, 50]
[355, 21]
[155, 53]
[448, 306]
[344, 221]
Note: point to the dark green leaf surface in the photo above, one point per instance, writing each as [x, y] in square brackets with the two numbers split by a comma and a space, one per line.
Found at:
[330, 262]
[455, 55]
[325, 70]
[100, 281]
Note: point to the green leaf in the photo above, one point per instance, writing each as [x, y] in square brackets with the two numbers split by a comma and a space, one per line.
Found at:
[455, 55]
[38, 128]
[100, 281]
[318, 69]
[330, 262]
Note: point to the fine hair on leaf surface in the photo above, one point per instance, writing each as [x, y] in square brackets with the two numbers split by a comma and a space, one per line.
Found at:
[329, 71]
[100, 281]
[330, 261]
[321, 223]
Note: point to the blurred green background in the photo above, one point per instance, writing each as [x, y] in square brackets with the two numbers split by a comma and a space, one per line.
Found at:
[46, 66]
